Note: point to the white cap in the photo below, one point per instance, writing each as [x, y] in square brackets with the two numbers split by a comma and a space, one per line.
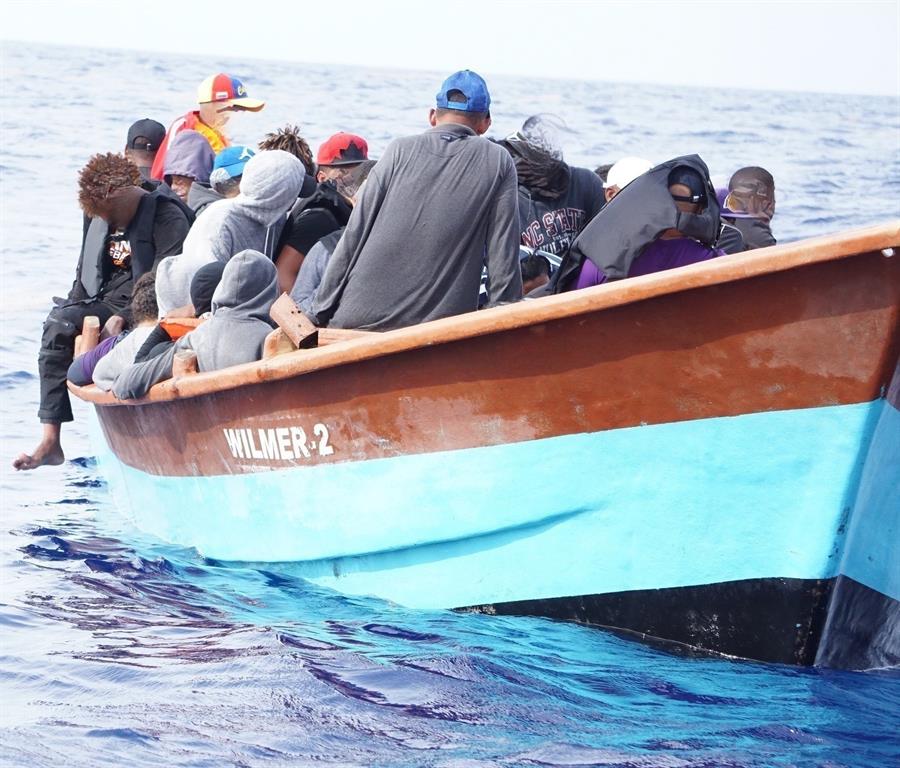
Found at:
[625, 171]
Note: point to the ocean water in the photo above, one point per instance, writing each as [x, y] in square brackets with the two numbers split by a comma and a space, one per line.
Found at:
[119, 649]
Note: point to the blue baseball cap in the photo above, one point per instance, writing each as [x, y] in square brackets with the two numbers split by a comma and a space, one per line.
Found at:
[232, 160]
[472, 86]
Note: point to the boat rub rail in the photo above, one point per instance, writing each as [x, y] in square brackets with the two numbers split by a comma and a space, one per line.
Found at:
[777, 258]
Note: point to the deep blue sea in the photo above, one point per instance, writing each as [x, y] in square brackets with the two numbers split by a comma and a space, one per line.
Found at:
[117, 649]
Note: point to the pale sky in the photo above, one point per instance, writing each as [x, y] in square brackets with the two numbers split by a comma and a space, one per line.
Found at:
[840, 47]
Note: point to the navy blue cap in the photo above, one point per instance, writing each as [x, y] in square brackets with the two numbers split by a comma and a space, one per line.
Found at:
[472, 86]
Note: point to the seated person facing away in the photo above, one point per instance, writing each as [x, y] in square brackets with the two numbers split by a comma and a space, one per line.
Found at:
[113, 355]
[290, 140]
[189, 159]
[348, 186]
[203, 286]
[224, 179]
[269, 187]
[750, 206]
[234, 333]
[326, 210]
[127, 231]
[434, 210]
[556, 200]
[666, 218]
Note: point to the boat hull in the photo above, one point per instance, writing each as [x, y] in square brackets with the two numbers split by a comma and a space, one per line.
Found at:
[701, 433]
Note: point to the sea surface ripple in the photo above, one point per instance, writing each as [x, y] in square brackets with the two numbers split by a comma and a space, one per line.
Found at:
[119, 649]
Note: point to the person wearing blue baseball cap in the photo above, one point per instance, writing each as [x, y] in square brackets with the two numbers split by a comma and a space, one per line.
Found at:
[436, 209]
[224, 179]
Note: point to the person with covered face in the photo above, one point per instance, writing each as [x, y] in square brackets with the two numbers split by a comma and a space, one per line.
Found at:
[127, 232]
[556, 200]
[218, 97]
[665, 218]
[326, 210]
[750, 206]
[234, 333]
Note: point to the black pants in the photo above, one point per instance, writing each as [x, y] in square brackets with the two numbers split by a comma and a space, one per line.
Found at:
[61, 327]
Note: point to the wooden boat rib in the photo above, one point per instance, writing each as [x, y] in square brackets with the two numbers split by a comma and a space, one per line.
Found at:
[709, 455]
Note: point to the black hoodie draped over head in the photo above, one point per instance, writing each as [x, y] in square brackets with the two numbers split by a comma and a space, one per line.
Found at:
[634, 218]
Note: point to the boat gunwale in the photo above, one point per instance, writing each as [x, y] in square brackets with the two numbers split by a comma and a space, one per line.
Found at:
[724, 269]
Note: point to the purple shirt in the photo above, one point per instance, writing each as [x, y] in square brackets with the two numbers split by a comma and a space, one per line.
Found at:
[659, 256]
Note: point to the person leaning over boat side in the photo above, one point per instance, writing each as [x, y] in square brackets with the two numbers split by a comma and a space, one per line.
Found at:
[668, 217]
[326, 210]
[190, 159]
[290, 140]
[144, 140]
[127, 231]
[750, 205]
[556, 200]
[218, 96]
[269, 187]
[303, 292]
[224, 179]
[234, 333]
[436, 208]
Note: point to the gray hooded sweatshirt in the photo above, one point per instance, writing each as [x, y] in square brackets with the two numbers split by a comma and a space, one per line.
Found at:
[435, 209]
[234, 334]
[269, 187]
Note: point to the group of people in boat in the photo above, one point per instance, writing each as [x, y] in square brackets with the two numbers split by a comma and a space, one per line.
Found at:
[185, 224]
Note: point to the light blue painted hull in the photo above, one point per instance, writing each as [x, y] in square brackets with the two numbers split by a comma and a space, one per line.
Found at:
[698, 502]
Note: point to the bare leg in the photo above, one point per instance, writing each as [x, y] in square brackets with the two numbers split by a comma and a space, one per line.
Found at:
[49, 450]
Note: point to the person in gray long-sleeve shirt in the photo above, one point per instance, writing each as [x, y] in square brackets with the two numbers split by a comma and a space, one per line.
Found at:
[435, 209]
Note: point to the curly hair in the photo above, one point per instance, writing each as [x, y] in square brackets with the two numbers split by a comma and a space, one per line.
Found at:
[290, 140]
[143, 299]
[102, 176]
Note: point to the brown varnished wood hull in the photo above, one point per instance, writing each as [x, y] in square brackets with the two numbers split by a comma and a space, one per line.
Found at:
[792, 327]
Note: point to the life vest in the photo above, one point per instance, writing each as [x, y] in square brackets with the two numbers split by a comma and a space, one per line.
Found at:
[189, 122]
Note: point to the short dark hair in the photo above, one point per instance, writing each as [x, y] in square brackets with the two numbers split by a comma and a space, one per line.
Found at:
[534, 265]
[143, 299]
[103, 175]
[290, 140]
[602, 171]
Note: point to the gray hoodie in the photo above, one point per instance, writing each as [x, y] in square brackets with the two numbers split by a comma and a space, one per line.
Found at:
[201, 196]
[234, 334]
[269, 187]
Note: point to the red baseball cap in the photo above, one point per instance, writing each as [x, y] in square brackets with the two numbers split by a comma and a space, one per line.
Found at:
[343, 149]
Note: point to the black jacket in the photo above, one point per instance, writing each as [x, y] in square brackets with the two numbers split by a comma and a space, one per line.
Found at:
[90, 278]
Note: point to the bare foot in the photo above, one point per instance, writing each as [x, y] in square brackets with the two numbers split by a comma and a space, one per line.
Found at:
[49, 451]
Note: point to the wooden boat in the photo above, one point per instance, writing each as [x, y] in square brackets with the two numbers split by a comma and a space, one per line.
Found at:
[710, 456]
